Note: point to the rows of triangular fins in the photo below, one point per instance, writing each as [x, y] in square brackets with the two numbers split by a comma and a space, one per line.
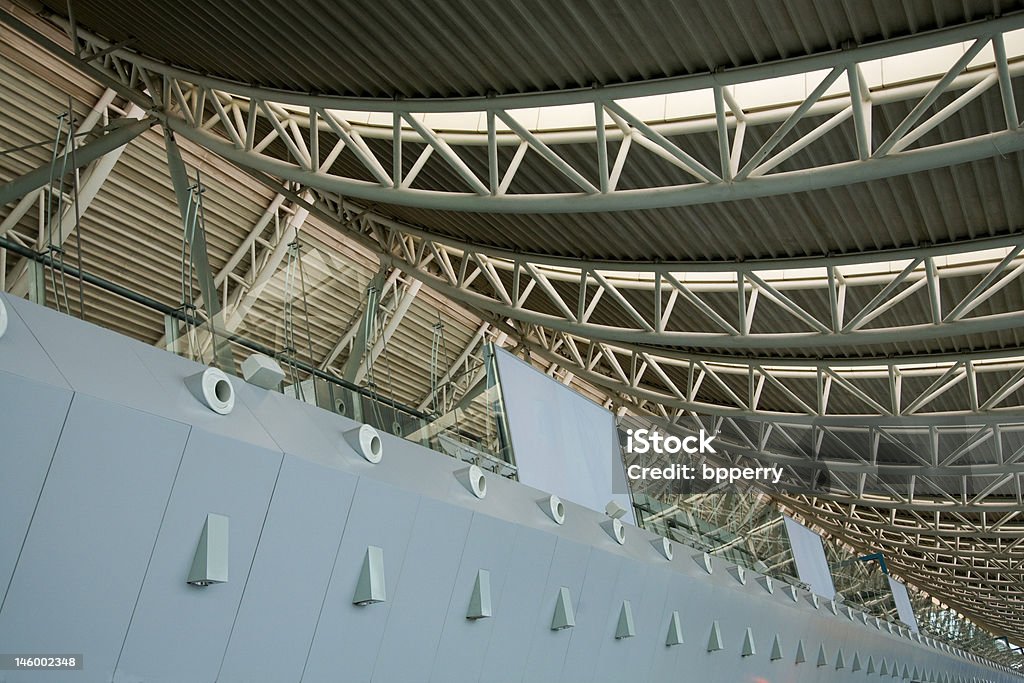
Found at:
[371, 589]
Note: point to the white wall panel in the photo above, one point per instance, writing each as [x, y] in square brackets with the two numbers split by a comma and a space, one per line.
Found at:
[91, 537]
[31, 419]
[179, 632]
[20, 352]
[285, 589]
[523, 607]
[548, 648]
[463, 645]
[424, 592]
[348, 637]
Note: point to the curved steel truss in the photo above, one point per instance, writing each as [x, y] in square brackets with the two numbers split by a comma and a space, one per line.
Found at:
[879, 391]
[869, 298]
[356, 147]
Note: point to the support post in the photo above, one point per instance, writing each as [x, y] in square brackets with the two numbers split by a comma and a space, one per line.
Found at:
[197, 247]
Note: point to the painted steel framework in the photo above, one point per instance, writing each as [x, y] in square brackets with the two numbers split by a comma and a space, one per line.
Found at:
[680, 304]
[240, 123]
[815, 391]
[935, 483]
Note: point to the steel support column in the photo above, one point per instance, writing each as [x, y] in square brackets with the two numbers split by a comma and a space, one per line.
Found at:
[195, 234]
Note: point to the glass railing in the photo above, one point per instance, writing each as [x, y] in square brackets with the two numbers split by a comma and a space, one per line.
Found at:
[470, 430]
[742, 530]
[861, 581]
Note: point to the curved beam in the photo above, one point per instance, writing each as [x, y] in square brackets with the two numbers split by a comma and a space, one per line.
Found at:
[742, 406]
[675, 304]
[294, 118]
[787, 182]
[782, 340]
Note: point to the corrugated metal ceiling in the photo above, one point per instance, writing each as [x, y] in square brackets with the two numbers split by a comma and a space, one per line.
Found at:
[394, 48]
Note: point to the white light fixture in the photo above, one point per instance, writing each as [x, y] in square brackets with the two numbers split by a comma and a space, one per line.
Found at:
[748, 648]
[371, 589]
[564, 616]
[664, 546]
[715, 639]
[625, 627]
[776, 652]
[480, 601]
[340, 407]
[473, 479]
[262, 371]
[213, 388]
[739, 573]
[3, 318]
[210, 562]
[367, 442]
[675, 631]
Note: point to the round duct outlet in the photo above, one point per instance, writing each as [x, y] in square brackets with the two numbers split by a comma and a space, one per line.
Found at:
[620, 531]
[367, 442]
[214, 389]
[555, 509]
[473, 478]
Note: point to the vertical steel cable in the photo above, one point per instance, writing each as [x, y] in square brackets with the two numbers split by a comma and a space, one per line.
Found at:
[78, 214]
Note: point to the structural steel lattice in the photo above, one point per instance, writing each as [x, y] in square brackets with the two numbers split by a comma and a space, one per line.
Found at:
[925, 451]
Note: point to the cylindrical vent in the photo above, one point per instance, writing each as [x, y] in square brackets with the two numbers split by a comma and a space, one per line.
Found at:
[3, 318]
[214, 389]
[620, 531]
[367, 442]
[615, 529]
[556, 509]
[473, 479]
